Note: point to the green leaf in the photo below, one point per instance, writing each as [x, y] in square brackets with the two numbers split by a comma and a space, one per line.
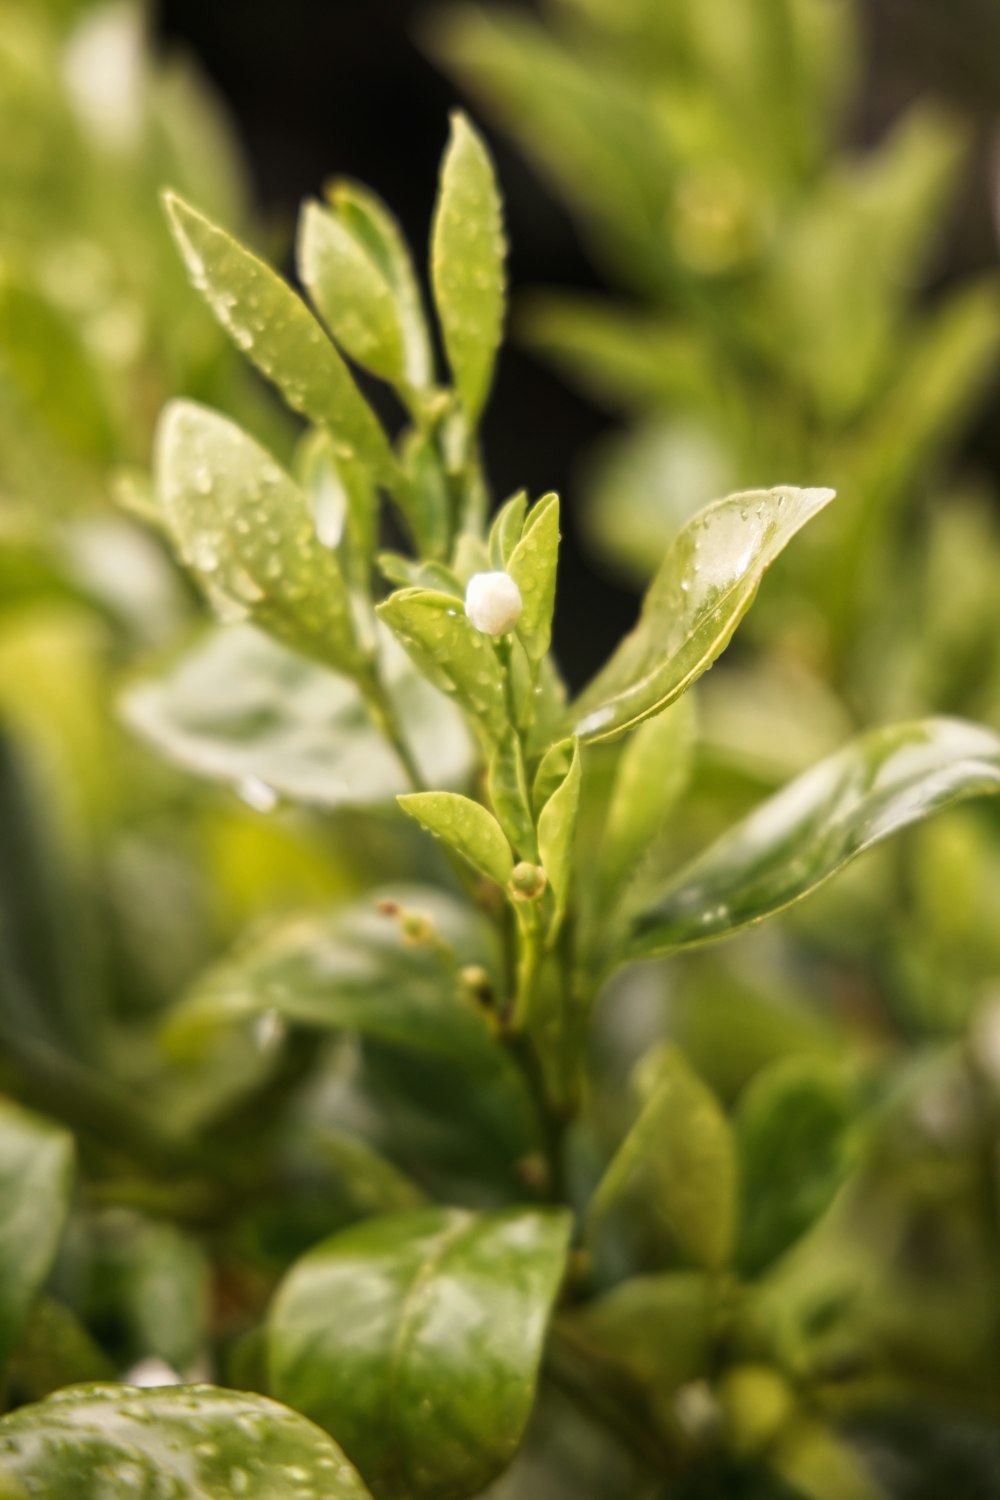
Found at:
[450, 651]
[467, 264]
[36, 1177]
[702, 590]
[191, 1442]
[556, 828]
[652, 772]
[276, 330]
[509, 795]
[506, 530]
[533, 568]
[820, 1465]
[352, 294]
[416, 1340]
[465, 826]
[552, 772]
[877, 785]
[654, 1332]
[364, 214]
[679, 1157]
[241, 709]
[244, 528]
[793, 1138]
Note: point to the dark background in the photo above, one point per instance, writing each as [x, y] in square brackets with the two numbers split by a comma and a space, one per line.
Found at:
[318, 87]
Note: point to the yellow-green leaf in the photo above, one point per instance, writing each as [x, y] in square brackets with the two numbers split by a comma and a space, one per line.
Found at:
[467, 827]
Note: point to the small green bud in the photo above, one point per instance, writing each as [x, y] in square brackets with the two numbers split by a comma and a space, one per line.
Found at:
[527, 882]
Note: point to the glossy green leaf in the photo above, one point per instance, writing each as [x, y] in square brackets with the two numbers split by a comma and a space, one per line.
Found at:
[702, 590]
[679, 1156]
[793, 1133]
[276, 330]
[508, 788]
[467, 264]
[505, 531]
[450, 652]
[351, 293]
[877, 785]
[364, 214]
[241, 709]
[556, 828]
[416, 1341]
[532, 566]
[465, 826]
[244, 528]
[552, 772]
[189, 1442]
[36, 1176]
[652, 772]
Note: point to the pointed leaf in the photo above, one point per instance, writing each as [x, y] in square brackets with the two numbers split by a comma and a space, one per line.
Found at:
[416, 1340]
[702, 590]
[878, 784]
[36, 1174]
[552, 772]
[276, 330]
[679, 1156]
[191, 1442]
[240, 708]
[465, 826]
[505, 532]
[510, 797]
[351, 293]
[450, 652]
[556, 828]
[467, 264]
[533, 568]
[245, 530]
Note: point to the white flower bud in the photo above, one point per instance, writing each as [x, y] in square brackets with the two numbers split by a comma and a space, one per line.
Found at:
[493, 603]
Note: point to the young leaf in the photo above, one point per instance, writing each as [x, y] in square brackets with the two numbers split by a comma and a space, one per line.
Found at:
[679, 1155]
[467, 827]
[816, 1463]
[415, 1339]
[552, 772]
[702, 590]
[655, 1332]
[878, 784]
[279, 334]
[191, 1442]
[450, 652]
[364, 214]
[240, 708]
[506, 529]
[467, 255]
[556, 827]
[509, 795]
[36, 1172]
[244, 528]
[792, 1137]
[533, 568]
[351, 293]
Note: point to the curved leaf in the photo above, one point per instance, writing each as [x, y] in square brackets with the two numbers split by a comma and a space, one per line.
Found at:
[878, 784]
[36, 1173]
[189, 1442]
[244, 528]
[450, 651]
[467, 827]
[467, 264]
[416, 1339]
[276, 330]
[532, 566]
[556, 831]
[240, 708]
[702, 590]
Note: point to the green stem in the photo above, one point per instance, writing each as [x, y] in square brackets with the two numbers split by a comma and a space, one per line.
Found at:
[383, 711]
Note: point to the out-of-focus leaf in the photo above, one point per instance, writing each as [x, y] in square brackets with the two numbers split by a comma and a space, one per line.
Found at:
[161, 1284]
[416, 1340]
[556, 828]
[510, 797]
[467, 827]
[36, 1173]
[819, 1465]
[655, 1331]
[276, 330]
[240, 708]
[532, 566]
[704, 586]
[450, 651]
[192, 1442]
[55, 1349]
[244, 528]
[371, 223]
[792, 1137]
[878, 784]
[467, 254]
[679, 1155]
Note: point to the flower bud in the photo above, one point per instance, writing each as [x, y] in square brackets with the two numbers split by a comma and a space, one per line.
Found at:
[493, 603]
[527, 881]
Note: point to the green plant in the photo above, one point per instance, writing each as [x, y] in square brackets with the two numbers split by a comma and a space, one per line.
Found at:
[426, 1207]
